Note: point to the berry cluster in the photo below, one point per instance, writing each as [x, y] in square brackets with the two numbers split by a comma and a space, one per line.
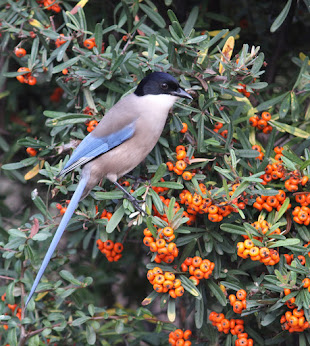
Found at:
[243, 340]
[50, 5]
[263, 227]
[234, 326]
[105, 214]
[261, 122]
[160, 189]
[271, 202]
[259, 149]
[289, 259]
[275, 170]
[198, 268]
[301, 215]
[291, 302]
[238, 301]
[294, 180]
[110, 249]
[217, 127]
[195, 204]
[90, 43]
[166, 250]
[243, 90]
[56, 95]
[294, 321]
[91, 125]
[26, 77]
[15, 311]
[264, 255]
[61, 208]
[180, 338]
[303, 198]
[164, 282]
[181, 164]
[60, 41]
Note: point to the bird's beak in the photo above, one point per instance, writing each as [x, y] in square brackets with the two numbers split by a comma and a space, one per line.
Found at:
[181, 93]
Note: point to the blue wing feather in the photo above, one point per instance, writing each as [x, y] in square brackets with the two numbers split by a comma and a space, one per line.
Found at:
[92, 147]
[60, 230]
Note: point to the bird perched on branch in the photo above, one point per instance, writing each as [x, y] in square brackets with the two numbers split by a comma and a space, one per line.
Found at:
[123, 138]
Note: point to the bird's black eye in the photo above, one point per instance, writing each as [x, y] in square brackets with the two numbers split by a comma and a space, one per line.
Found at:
[164, 86]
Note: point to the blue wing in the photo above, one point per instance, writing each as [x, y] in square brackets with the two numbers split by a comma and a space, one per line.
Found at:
[92, 147]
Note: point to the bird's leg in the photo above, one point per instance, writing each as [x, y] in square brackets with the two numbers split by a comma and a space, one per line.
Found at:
[130, 198]
[138, 180]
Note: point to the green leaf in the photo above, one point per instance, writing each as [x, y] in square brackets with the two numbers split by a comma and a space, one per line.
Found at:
[115, 219]
[150, 298]
[37, 200]
[285, 243]
[171, 310]
[281, 17]
[170, 211]
[66, 64]
[199, 312]
[90, 335]
[282, 210]
[115, 194]
[285, 106]
[191, 20]
[69, 277]
[160, 172]
[98, 36]
[153, 15]
[265, 105]
[17, 165]
[170, 185]
[151, 47]
[218, 293]
[79, 321]
[190, 287]
[290, 129]
[34, 52]
[231, 228]
[17, 233]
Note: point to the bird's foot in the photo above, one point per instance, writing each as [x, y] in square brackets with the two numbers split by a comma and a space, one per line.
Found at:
[131, 199]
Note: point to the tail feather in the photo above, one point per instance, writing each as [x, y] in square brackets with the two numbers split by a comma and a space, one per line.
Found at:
[61, 228]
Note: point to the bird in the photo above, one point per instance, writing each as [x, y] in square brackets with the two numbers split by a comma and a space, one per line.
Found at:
[123, 138]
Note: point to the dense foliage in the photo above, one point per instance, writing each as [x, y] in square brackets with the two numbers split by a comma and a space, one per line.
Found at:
[222, 256]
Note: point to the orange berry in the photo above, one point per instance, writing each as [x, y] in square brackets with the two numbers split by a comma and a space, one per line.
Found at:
[179, 291]
[266, 116]
[169, 165]
[253, 121]
[232, 298]
[180, 165]
[187, 175]
[167, 231]
[187, 334]
[241, 294]
[181, 154]
[20, 52]
[118, 247]
[248, 244]
[185, 128]
[261, 124]
[89, 43]
[31, 151]
[237, 307]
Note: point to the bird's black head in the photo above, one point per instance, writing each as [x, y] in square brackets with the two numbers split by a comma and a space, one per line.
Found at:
[158, 83]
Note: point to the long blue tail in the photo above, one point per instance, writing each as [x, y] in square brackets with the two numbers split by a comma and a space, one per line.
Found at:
[61, 228]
